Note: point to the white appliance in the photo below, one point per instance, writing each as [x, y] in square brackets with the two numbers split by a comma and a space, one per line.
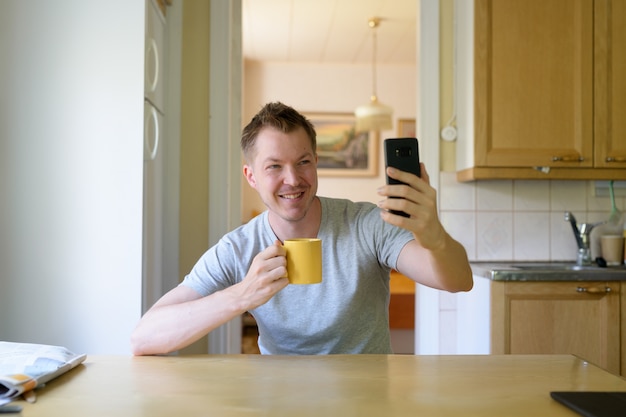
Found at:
[153, 165]
[71, 157]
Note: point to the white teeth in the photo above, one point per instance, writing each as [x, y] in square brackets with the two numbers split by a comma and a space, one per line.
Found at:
[291, 196]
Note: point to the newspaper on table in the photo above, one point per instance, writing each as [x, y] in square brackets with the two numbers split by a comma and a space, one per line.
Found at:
[25, 366]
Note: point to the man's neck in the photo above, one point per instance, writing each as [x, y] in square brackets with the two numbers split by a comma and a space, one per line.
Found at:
[307, 227]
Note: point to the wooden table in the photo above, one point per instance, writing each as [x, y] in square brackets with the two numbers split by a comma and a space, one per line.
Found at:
[340, 385]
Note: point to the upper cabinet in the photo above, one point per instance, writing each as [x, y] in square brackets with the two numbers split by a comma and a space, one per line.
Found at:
[549, 90]
[610, 84]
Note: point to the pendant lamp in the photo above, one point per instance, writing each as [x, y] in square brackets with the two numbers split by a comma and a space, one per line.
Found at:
[373, 115]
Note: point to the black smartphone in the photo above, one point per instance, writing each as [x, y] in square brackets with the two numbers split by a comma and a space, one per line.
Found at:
[403, 154]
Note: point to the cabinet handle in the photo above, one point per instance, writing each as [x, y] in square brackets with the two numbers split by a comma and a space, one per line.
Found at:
[151, 135]
[615, 159]
[567, 159]
[152, 62]
[594, 290]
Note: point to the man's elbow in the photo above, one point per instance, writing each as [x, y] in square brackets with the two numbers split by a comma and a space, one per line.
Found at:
[464, 285]
[138, 345]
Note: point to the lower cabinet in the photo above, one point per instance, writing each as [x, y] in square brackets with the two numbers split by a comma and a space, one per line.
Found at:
[580, 318]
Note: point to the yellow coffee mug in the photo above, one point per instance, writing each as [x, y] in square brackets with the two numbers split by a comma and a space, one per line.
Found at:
[304, 260]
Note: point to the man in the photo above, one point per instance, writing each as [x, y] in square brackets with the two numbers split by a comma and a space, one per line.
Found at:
[361, 243]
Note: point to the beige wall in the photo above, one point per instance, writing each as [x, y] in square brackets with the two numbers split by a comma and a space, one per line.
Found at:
[341, 89]
[328, 88]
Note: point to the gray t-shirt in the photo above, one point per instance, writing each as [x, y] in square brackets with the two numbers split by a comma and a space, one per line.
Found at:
[347, 313]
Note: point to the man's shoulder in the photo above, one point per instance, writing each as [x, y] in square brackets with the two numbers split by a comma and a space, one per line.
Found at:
[333, 202]
[341, 205]
[248, 230]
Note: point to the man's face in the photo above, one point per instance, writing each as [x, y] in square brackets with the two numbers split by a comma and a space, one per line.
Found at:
[283, 171]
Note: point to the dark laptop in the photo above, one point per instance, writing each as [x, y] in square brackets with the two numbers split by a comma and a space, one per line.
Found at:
[593, 404]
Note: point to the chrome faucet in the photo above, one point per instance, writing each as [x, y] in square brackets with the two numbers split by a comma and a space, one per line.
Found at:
[582, 235]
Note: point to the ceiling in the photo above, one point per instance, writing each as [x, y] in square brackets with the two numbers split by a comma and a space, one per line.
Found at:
[329, 31]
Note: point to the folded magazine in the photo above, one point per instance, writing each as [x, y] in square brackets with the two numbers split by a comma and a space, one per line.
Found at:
[26, 366]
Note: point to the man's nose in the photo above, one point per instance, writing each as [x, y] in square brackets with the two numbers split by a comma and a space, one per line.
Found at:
[291, 176]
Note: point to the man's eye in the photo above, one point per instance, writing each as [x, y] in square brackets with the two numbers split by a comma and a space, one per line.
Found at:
[274, 166]
[305, 162]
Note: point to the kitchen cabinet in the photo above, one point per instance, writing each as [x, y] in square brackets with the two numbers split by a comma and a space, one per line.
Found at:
[580, 318]
[610, 84]
[549, 88]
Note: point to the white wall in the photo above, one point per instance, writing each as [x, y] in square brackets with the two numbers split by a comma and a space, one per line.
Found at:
[71, 151]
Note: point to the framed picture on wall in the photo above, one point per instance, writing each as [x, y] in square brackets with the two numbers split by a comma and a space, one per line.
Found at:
[406, 128]
[342, 150]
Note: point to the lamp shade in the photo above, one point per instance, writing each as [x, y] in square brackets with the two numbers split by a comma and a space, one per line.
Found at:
[373, 116]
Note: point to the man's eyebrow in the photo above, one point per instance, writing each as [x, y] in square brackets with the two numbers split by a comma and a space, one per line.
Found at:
[305, 155]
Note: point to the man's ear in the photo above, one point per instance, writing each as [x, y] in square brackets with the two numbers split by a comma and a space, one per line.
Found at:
[247, 172]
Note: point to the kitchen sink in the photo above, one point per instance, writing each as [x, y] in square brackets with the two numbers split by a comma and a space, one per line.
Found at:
[553, 266]
[547, 271]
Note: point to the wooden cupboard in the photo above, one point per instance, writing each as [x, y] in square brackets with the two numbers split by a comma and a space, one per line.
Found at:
[549, 90]
[610, 84]
[581, 318]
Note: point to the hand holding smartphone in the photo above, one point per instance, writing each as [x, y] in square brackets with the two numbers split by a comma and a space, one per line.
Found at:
[402, 154]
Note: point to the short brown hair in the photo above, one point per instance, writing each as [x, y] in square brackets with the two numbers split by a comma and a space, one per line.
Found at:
[279, 116]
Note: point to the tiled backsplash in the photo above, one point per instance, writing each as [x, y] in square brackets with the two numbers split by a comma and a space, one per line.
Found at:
[520, 220]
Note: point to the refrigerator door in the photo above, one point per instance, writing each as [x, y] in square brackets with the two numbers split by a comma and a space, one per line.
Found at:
[154, 88]
[153, 130]
[153, 203]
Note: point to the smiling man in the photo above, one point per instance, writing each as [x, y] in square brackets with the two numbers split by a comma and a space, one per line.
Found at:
[361, 243]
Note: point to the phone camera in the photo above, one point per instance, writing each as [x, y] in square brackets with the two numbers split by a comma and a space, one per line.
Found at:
[404, 152]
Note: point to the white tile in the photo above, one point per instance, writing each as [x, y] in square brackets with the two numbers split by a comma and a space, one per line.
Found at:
[531, 195]
[597, 216]
[494, 236]
[597, 203]
[494, 195]
[568, 195]
[461, 225]
[447, 332]
[563, 245]
[532, 236]
[520, 220]
[454, 195]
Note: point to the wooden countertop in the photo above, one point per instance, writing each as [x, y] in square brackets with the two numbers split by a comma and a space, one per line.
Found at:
[336, 385]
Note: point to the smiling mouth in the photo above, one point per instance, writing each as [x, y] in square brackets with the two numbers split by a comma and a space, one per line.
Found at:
[292, 196]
